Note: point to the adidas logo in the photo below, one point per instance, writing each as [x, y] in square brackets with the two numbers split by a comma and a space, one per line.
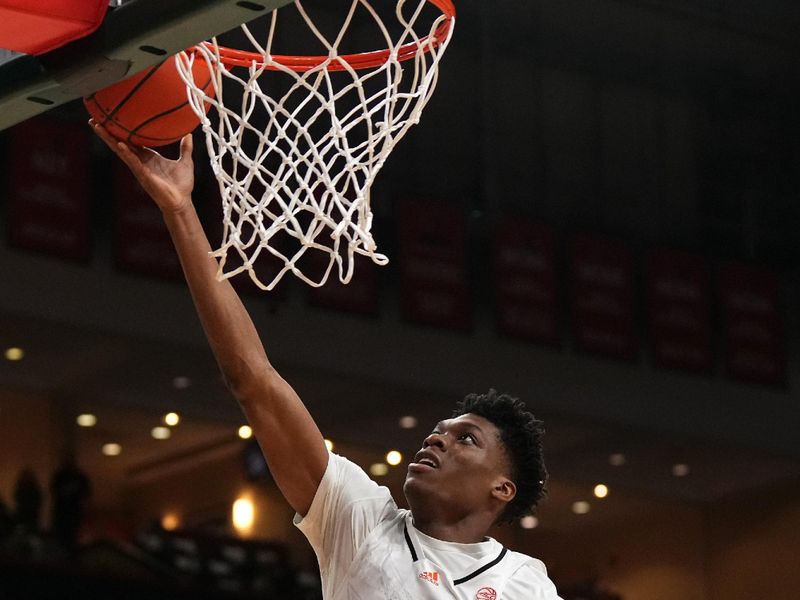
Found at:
[430, 577]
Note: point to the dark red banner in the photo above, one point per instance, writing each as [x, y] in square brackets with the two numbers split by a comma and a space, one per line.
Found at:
[752, 319]
[434, 286]
[679, 307]
[49, 188]
[141, 242]
[602, 297]
[526, 282]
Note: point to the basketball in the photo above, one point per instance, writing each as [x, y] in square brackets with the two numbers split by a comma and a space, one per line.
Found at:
[151, 108]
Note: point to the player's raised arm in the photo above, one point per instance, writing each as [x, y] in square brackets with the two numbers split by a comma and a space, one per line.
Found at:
[289, 438]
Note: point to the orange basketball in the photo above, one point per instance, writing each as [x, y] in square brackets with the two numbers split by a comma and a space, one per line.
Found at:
[151, 108]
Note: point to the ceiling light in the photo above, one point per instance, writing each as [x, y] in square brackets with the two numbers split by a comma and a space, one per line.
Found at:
[529, 522]
[394, 458]
[172, 419]
[600, 491]
[181, 382]
[680, 470]
[112, 449]
[378, 469]
[14, 354]
[245, 432]
[408, 422]
[160, 433]
[581, 508]
[86, 420]
[329, 445]
[617, 459]
[170, 522]
[243, 514]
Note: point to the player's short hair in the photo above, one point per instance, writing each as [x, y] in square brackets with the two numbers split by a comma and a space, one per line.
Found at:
[521, 434]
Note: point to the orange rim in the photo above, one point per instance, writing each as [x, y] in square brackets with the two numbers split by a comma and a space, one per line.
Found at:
[366, 60]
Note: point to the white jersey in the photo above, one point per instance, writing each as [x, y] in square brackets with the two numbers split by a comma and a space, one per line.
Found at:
[369, 549]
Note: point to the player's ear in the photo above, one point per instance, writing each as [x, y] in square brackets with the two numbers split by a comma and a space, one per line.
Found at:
[504, 490]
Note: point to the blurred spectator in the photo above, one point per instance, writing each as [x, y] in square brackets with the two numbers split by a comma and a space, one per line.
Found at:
[27, 501]
[70, 489]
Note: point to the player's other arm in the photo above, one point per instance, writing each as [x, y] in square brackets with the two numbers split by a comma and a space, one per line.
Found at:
[289, 437]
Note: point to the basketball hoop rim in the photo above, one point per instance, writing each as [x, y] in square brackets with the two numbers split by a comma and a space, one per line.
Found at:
[232, 57]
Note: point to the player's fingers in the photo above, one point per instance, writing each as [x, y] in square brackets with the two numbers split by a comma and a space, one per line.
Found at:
[186, 146]
[101, 132]
[129, 156]
[119, 148]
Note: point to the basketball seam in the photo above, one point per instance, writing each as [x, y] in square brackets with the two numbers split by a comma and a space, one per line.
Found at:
[127, 97]
[158, 116]
[100, 108]
[119, 126]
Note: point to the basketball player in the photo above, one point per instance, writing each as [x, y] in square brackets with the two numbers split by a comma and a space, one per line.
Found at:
[480, 467]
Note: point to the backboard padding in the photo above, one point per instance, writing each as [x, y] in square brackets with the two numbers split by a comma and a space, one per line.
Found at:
[137, 35]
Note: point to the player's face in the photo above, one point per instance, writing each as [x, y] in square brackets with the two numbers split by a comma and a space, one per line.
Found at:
[459, 464]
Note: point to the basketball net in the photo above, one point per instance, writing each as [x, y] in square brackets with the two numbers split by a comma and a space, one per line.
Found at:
[295, 160]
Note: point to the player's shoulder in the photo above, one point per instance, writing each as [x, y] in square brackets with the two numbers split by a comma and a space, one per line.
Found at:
[526, 566]
[528, 578]
[345, 470]
[347, 475]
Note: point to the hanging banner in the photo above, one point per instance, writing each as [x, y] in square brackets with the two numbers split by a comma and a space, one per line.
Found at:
[434, 287]
[49, 188]
[602, 297]
[141, 242]
[679, 310]
[753, 327]
[526, 282]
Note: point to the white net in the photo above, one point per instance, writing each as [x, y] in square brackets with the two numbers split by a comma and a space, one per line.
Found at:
[296, 142]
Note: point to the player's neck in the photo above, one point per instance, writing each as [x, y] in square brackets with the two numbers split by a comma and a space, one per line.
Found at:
[471, 530]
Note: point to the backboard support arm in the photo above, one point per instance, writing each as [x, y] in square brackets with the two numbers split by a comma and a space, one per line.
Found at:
[137, 35]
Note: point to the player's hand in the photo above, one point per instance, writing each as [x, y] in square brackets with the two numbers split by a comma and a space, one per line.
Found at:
[169, 182]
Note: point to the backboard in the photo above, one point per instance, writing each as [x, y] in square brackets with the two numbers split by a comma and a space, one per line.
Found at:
[135, 35]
